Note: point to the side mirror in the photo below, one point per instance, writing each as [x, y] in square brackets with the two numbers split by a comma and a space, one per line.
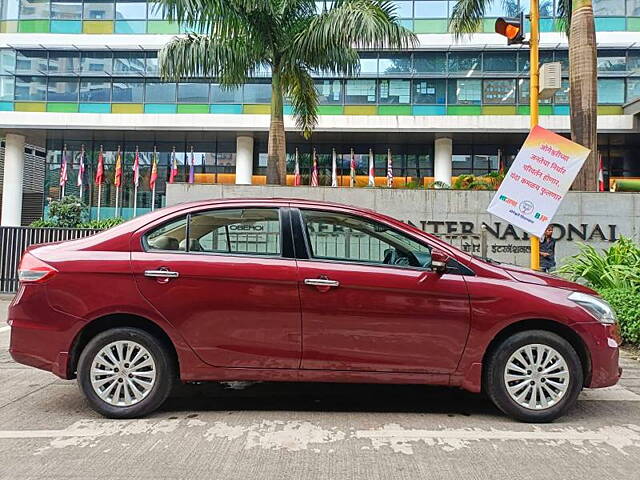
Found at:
[439, 261]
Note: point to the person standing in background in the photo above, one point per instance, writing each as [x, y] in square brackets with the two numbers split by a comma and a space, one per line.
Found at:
[548, 250]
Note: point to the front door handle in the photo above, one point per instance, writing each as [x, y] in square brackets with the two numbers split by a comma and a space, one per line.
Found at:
[160, 273]
[321, 282]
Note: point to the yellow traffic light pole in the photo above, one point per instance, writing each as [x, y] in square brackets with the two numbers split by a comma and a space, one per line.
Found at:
[534, 86]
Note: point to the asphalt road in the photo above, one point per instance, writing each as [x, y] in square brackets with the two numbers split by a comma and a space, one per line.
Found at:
[310, 431]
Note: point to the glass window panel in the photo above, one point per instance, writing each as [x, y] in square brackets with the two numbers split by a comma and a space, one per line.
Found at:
[99, 10]
[633, 89]
[395, 91]
[429, 91]
[154, 11]
[9, 9]
[462, 159]
[31, 89]
[128, 91]
[131, 10]
[500, 62]
[193, 93]
[562, 56]
[611, 90]
[257, 93]
[6, 88]
[562, 95]
[523, 93]
[430, 62]
[93, 63]
[169, 236]
[369, 63]
[30, 9]
[465, 92]
[224, 95]
[160, 92]
[464, 62]
[546, 8]
[612, 61]
[393, 64]
[404, 9]
[329, 91]
[69, 10]
[430, 9]
[360, 91]
[546, 56]
[64, 62]
[129, 63]
[506, 8]
[608, 8]
[95, 90]
[7, 61]
[499, 92]
[62, 90]
[152, 63]
[251, 231]
[31, 61]
[633, 8]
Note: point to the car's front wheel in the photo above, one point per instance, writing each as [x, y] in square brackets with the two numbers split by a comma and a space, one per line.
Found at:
[534, 376]
[125, 373]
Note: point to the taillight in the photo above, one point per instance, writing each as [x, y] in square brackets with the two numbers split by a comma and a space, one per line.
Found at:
[34, 270]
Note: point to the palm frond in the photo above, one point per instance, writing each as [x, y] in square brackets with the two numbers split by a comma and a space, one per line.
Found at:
[301, 90]
[565, 9]
[466, 16]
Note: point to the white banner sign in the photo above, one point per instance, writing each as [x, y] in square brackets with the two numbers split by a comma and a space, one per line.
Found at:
[538, 180]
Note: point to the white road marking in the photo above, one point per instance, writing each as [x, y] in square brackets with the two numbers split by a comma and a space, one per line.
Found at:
[616, 393]
[5, 329]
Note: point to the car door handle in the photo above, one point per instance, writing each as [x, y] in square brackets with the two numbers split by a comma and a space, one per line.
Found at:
[321, 282]
[161, 274]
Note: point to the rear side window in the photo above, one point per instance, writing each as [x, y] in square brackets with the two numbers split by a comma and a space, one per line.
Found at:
[170, 236]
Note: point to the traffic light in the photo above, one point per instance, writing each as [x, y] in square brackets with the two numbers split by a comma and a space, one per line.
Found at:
[512, 28]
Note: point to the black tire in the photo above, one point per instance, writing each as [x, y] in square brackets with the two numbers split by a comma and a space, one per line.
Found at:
[496, 386]
[164, 367]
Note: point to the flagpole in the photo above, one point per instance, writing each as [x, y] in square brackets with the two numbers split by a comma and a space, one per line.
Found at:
[80, 173]
[153, 190]
[118, 185]
[100, 155]
[334, 171]
[352, 169]
[389, 169]
[372, 180]
[63, 174]
[135, 185]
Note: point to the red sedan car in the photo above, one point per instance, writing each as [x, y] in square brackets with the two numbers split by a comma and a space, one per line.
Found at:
[294, 290]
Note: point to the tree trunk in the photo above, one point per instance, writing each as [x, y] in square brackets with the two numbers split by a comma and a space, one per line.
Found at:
[583, 95]
[277, 161]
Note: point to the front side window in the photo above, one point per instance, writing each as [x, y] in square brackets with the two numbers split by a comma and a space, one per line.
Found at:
[335, 236]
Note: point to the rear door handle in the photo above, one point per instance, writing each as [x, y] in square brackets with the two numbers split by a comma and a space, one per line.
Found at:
[161, 274]
[321, 282]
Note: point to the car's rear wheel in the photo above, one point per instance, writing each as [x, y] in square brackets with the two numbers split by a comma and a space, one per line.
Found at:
[125, 373]
[534, 376]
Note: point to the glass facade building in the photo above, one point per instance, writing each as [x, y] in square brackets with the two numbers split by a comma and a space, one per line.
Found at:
[99, 58]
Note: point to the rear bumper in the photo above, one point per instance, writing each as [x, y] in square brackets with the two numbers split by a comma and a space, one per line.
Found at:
[41, 336]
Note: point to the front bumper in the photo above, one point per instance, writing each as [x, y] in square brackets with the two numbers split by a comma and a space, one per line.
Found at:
[602, 343]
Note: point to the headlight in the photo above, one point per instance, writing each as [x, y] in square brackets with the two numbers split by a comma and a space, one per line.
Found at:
[595, 306]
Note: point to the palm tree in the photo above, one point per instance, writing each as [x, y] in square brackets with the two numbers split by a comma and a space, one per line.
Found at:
[288, 37]
[576, 16]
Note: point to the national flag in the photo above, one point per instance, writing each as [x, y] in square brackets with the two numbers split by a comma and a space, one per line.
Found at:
[136, 169]
[389, 169]
[63, 169]
[192, 167]
[173, 172]
[81, 168]
[117, 181]
[314, 171]
[372, 176]
[297, 179]
[600, 175]
[352, 170]
[100, 169]
[154, 171]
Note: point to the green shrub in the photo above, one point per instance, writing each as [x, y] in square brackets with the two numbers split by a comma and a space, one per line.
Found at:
[626, 303]
[617, 267]
[102, 224]
[43, 223]
[68, 212]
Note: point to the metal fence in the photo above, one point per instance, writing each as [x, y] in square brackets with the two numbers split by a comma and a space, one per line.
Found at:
[15, 240]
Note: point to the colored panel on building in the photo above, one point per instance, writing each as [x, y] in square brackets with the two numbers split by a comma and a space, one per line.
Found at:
[406, 23]
[610, 24]
[66, 26]
[30, 107]
[548, 25]
[542, 110]
[10, 26]
[127, 108]
[228, 109]
[330, 110]
[193, 108]
[95, 108]
[430, 25]
[394, 110]
[561, 110]
[488, 25]
[429, 110]
[161, 26]
[160, 108]
[288, 109]
[610, 110]
[131, 27]
[499, 110]
[464, 110]
[34, 26]
[6, 106]
[97, 26]
[633, 24]
[256, 109]
[62, 107]
[360, 110]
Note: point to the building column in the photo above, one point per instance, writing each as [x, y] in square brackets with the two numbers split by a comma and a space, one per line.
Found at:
[13, 179]
[244, 160]
[443, 158]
